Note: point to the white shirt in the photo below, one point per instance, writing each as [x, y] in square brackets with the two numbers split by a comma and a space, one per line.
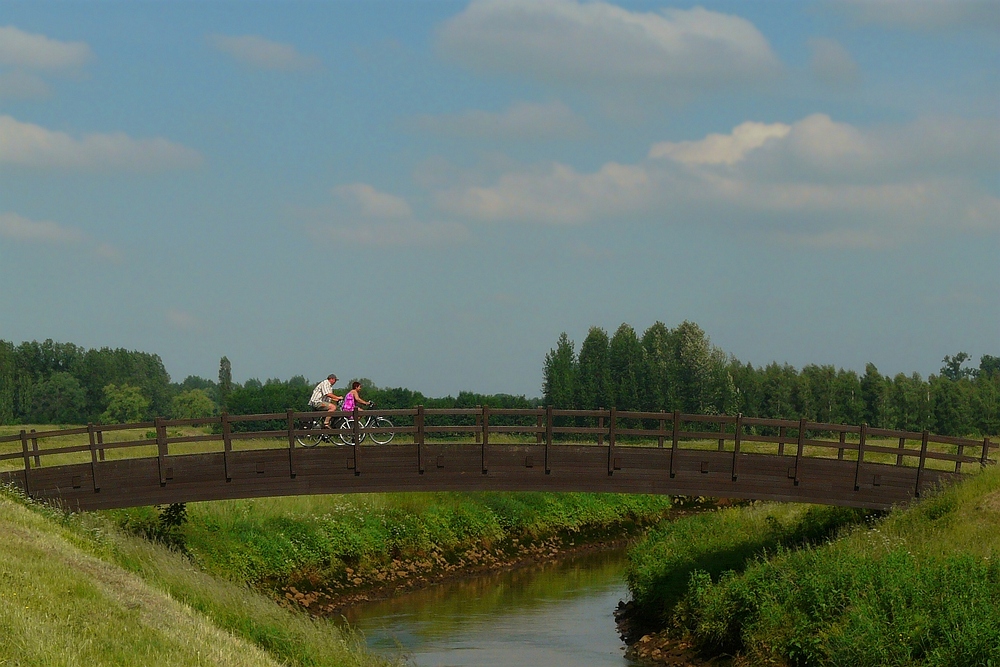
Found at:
[319, 393]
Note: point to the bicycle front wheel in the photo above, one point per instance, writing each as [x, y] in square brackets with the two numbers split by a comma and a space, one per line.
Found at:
[381, 438]
[346, 432]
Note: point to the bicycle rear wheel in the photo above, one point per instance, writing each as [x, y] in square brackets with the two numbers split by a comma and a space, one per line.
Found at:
[381, 438]
[310, 439]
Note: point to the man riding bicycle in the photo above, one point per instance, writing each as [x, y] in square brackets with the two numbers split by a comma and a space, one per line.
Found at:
[323, 397]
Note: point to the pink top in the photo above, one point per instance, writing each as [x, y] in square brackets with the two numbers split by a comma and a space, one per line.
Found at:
[349, 402]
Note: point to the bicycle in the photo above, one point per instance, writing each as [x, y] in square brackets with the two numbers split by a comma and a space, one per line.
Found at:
[343, 430]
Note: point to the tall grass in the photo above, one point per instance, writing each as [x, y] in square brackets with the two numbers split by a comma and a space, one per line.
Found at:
[920, 587]
[290, 540]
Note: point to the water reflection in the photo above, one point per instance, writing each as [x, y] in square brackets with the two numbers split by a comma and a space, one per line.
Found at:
[558, 614]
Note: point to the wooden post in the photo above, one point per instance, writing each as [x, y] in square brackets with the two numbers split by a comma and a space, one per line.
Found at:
[613, 416]
[861, 456]
[840, 450]
[486, 434]
[161, 449]
[781, 440]
[34, 448]
[479, 422]
[418, 437]
[548, 437]
[27, 463]
[291, 442]
[356, 437]
[673, 443]
[227, 444]
[93, 456]
[985, 458]
[923, 458]
[958, 464]
[539, 428]
[799, 448]
[100, 444]
[899, 457]
[600, 434]
[736, 443]
[722, 440]
[663, 432]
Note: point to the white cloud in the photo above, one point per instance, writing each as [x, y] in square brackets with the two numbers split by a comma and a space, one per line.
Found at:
[30, 51]
[261, 53]
[832, 64]
[29, 145]
[19, 228]
[721, 148]
[364, 200]
[521, 121]
[816, 179]
[19, 85]
[924, 15]
[600, 44]
[364, 215]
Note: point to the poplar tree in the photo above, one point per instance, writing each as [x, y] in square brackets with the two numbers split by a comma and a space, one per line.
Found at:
[559, 384]
[225, 382]
[625, 366]
[592, 365]
[659, 391]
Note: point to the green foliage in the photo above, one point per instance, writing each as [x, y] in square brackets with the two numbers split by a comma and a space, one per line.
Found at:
[259, 541]
[559, 374]
[626, 366]
[126, 404]
[192, 404]
[920, 587]
[163, 524]
[594, 375]
[60, 399]
[225, 382]
[28, 371]
[717, 542]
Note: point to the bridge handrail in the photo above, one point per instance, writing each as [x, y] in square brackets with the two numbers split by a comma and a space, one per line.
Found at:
[610, 424]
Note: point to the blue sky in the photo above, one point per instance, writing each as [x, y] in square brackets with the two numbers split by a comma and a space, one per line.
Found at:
[428, 193]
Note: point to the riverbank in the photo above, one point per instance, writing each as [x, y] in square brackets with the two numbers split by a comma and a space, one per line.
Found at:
[806, 586]
[321, 553]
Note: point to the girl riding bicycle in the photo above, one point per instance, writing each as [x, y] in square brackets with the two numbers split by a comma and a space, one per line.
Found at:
[353, 398]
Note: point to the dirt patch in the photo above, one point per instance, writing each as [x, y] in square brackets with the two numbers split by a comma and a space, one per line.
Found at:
[662, 649]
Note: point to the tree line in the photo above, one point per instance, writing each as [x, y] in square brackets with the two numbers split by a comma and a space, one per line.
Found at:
[664, 369]
[62, 383]
[679, 369]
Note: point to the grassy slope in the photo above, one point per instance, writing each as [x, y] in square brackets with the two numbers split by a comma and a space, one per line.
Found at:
[921, 587]
[65, 598]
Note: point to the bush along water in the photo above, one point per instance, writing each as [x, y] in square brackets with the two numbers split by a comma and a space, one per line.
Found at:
[920, 586]
[321, 551]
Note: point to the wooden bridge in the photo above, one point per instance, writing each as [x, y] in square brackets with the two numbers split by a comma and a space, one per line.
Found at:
[543, 449]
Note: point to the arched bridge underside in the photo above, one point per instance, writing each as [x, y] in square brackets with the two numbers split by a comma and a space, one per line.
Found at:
[108, 466]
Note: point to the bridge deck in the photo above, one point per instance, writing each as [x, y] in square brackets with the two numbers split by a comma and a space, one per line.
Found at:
[662, 453]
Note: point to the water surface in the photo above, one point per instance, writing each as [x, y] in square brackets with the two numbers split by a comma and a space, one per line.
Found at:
[554, 615]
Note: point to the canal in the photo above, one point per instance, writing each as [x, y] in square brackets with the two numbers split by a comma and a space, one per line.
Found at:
[559, 614]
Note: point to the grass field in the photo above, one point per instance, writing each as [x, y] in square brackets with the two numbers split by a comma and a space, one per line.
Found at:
[918, 587]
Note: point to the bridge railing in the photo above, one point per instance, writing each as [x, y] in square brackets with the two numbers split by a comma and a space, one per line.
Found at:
[483, 426]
